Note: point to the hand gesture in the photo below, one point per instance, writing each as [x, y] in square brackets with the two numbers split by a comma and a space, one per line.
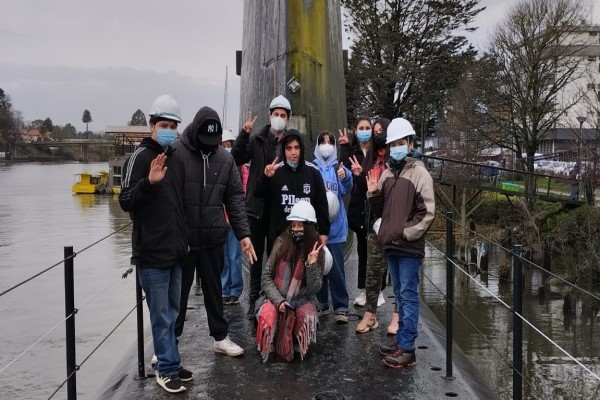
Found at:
[343, 136]
[341, 172]
[157, 169]
[248, 249]
[249, 124]
[372, 181]
[270, 169]
[313, 256]
[355, 166]
[323, 239]
[282, 306]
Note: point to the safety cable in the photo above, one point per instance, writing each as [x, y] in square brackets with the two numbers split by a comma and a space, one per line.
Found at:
[508, 362]
[62, 261]
[519, 315]
[525, 259]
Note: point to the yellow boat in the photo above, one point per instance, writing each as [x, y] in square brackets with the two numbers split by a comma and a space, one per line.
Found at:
[91, 182]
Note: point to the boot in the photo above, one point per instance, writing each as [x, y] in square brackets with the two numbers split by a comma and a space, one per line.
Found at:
[368, 322]
[393, 327]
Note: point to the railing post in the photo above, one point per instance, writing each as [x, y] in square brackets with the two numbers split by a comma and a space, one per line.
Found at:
[517, 323]
[449, 291]
[70, 324]
[140, 325]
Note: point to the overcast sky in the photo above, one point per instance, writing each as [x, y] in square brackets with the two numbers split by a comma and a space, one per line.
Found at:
[59, 57]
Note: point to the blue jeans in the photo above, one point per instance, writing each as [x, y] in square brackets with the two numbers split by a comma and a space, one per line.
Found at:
[162, 287]
[334, 281]
[405, 280]
[231, 277]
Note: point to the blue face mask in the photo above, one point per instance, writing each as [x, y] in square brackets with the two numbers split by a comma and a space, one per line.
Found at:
[399, 153]
[294, 165]
[166, 137]
[363, 136]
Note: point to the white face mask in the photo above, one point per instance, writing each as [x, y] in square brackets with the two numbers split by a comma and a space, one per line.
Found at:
[278, 124]
[227, 149]
[326, 150]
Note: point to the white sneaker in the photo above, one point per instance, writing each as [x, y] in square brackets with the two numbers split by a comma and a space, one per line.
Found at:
[226, 346]
[380, 300]
[154, 360]
[361, 299]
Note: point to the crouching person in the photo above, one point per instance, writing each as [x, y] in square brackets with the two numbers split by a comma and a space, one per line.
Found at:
[287, 317]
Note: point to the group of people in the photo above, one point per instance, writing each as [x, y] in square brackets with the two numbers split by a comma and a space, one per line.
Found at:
[200, 201]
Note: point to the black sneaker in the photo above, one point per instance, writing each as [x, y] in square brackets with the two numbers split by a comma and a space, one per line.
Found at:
[171, 384]
[234, 300]
[185, 375]
[341, 318]
[226, 300]
[387, 350]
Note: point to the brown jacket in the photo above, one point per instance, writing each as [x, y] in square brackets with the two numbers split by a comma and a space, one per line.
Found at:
[406, 204]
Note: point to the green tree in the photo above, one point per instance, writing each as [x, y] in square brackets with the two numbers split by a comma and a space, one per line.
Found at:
[138, 119]
[7, 120]
[405, 55]
[47, 126]
[86, 119]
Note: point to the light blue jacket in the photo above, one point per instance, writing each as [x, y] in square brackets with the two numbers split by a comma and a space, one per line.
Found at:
[338, 231]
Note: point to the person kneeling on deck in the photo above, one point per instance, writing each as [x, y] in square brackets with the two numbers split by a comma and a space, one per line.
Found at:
[287, 317]
[152, 193]
[404, 199]
[212, 181]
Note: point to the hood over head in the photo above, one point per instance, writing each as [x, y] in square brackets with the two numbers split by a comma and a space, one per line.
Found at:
[289, 135]
[332, 159]
[205, 130]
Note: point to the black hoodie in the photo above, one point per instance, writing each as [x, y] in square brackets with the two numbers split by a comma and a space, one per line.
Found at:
[290, 185]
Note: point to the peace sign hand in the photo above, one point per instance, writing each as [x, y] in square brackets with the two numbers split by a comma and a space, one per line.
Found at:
[249, 124]
[270, 169]
[313, 256]
[343, 137]
[371, 181]
[355, 166]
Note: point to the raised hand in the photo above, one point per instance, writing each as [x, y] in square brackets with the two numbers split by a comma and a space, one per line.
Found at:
[157, 169]
[341, 172]
[313, 256]
[343, 136]
[249, 124]
[270, 169]
[355, 166]
[248, 249]
[372, 181]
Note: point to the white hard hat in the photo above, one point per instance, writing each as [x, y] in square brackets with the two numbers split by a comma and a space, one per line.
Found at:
[166, 107]
[376, 226]
[399, 128]
[280, 102]
[334, 205]
[228, 135]
[328, 260]
[302, 211]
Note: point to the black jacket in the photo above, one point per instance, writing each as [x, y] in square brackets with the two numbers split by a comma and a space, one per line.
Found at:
[158, 238]
[211, 181]
[288, 186]
[260, 149]
[357, 215]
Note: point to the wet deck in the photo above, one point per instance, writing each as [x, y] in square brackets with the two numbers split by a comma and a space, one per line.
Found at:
[341, 365]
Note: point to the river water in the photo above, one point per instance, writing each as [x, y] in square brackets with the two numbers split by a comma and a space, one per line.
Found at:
[38, 217]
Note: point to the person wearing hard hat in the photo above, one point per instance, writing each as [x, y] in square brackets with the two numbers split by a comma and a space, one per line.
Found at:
[338, 182]
[260, 149]
[152, 193]
[287, 318]
[404, 199]
[232, 281]
[211, 182]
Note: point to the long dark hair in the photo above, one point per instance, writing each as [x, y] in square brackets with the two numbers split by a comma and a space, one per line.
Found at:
[293, 251]
[354, 141]
[373, 151]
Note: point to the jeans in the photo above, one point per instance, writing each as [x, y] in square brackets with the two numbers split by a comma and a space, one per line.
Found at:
[334, 281]
[405, 281]
[231, 277]
[162, 287]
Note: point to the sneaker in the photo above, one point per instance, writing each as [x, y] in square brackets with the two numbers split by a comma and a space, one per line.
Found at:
[380, 300]
[171, 384]
[399, 359]
[226, 346]
[387, 350]
[321, 313]
[361, 299]
[154, 360]
[368, 322]
[341, 318]
[393, 327]
[185, 375]
[234, 300]
[226, 300]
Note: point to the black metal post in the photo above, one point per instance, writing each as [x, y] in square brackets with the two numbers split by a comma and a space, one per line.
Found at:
[449, 291]
[70, 324]
[140, 326]
[517, 323]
